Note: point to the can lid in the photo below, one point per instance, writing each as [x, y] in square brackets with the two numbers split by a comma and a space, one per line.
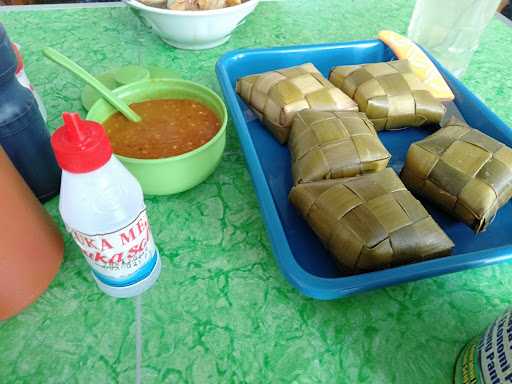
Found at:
[80, 146]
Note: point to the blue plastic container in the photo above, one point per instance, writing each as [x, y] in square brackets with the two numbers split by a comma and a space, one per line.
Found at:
[301, 256]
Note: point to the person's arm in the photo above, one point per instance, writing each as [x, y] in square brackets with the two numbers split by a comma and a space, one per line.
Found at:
[503, 4]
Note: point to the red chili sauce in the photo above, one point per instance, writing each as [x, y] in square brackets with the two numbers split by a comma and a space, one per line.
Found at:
[169, 127]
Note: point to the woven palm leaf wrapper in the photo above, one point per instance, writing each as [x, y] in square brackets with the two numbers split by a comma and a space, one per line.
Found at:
[464, 171]
[390, 94]
[330, 145]
[278, 95]
[370, 222]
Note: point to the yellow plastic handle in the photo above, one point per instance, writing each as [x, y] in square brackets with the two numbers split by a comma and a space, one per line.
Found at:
[422, 66]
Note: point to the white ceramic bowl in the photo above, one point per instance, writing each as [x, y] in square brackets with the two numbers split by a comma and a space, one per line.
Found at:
[193, 29]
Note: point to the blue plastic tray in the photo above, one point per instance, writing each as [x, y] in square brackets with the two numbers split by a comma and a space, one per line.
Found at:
[301, 256]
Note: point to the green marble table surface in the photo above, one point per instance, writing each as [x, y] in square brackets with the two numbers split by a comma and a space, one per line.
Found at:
[221, 311]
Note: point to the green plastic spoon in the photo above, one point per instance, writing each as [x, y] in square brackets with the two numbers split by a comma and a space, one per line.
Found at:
[73, 67]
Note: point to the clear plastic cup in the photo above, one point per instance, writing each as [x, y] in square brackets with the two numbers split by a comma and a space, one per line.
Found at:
[451, 29]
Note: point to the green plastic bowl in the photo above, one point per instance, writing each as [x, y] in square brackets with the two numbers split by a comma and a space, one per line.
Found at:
[177, 173]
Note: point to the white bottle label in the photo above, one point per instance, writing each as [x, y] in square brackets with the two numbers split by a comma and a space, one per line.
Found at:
[120, 253]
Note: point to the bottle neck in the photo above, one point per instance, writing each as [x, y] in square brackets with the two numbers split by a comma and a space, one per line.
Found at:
[108, 166]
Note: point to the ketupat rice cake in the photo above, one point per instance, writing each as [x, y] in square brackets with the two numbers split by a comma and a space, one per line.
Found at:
[330, 145]
[370, 222]
[277, 96]
[464, 171]
[390, 94]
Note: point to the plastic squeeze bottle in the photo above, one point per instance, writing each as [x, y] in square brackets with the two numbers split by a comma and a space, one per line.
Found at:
[103, 208]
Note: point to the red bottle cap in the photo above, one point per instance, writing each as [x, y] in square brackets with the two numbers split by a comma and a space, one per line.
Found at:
[80, 146]
[20, 65]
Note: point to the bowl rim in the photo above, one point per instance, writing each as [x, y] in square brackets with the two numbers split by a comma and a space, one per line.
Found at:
[209, 143]
[213, 12]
